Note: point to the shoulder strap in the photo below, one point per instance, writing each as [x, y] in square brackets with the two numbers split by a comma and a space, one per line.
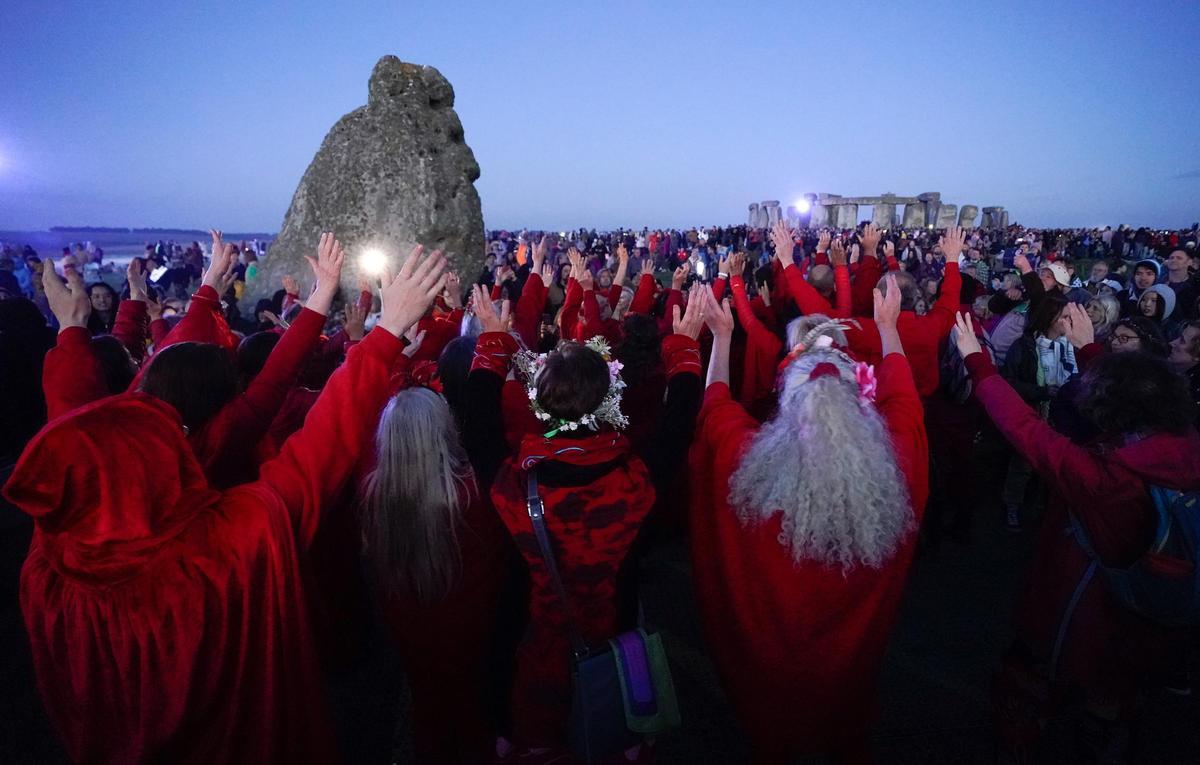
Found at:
[533, 503]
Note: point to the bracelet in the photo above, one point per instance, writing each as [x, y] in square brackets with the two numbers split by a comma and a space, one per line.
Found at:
[722, 275]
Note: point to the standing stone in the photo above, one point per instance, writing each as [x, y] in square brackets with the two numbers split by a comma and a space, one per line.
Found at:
[1003, 218]
[914, 215]
[947, 216]
[847, 216]
[991, 217]
[389, 175]
[752, 215]
[772, 210]
[884, 215]
[818, 215]
[792, 216]
[932, 201]
[967, 215]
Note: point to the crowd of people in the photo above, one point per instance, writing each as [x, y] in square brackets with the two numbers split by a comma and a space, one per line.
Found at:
[212, 490]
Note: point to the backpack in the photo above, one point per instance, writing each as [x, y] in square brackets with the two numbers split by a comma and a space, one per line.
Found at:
[1163, 585]
[953, 378]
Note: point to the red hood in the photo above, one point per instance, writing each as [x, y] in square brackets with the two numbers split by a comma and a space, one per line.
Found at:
[109, 483]
[1166, 460]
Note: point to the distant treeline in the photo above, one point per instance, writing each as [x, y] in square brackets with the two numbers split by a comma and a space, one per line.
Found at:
[155, 231]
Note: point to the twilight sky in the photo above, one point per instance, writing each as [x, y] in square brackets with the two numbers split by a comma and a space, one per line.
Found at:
[670, 113]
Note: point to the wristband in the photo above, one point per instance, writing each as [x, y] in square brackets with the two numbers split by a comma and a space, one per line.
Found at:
[722, 275]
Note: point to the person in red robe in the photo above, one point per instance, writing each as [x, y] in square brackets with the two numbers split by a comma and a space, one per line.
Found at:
[166, 618]
[803, 531]
[1073, 638]
[596, 492]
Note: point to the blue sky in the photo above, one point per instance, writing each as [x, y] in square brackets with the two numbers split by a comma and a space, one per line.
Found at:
[609, 113]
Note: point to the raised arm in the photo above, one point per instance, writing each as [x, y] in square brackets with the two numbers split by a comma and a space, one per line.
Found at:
[71, 374]
[316, 461]
[667, 452]
[132, 326]
[945, 307]
[898, 400]
[483, 423]
[203, 323]
[528, 314]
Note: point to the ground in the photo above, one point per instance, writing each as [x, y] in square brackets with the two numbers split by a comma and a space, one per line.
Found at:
[934, 700]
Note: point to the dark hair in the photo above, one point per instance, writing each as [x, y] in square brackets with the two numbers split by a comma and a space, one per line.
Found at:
[1043, 315]
[574, 382]
[1151, 337]
[195, 378]
[1125, 393]
[640, 348]
[252, 353]
[115, 362]
[454, 366]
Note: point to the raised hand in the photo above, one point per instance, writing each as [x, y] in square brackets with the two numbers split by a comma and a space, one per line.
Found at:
[540, 249]
[453, 291]
[887, 304]
[889, 250]
[278, 322]
[327, 270]
[692, 320]
[290, 285]
[1077, 326]
[585, 279]
[68, 301]
[723, 263]
[577, 267]
[154, 306]
[837, 253]
[680, 276]
[136, 275]
[952, 243]
[622, 255]
[870, 237]
[785, 246]
[823, 240]
[737, 264]
[220, 273]
[407, 296]
[414, 339]
[355, 321]
[547, 274]
[965, 338]
[485, 310]
[718, 316]
[1022, 262]
[855, 252]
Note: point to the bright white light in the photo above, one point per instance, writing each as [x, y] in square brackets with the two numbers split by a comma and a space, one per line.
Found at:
[373, 261]
[700, 268]
[803, 206]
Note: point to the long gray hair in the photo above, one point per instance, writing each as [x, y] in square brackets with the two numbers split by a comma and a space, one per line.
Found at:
[412, 502]
[826, 462]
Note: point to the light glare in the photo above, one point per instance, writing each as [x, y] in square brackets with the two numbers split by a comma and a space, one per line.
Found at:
[802, 205]
[373, 261]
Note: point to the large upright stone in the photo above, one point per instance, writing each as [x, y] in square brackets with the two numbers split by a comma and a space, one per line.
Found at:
[752, 215]
[847, 216]
[914, 215]
[967, 215]
[947, 216]
[771, 207]
[389, 175]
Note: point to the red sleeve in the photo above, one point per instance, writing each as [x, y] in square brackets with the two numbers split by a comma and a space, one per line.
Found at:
[843, 295]
[667, 320]
[71, 373]
[496, 291]
[591, 316]
[820, 259]
[893, 264]
[722, 421]
[159, 329]
[863, 340]
[202, 323]
[681, 355]
[614, 295]
[365, 299]
[1087, 354]
[808, 300]
[900, 404]
[862, 300]
[764, 313]
[570, 310]
[132, 327]
[718, 288]
[1072, 470]
[225, 446]
[762, 348]
[941, 313]
[528, 314]
[315, 462]
[643, 298]
[494, 352]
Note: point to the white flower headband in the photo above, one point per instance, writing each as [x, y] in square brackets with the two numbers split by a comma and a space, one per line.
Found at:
[531, 365]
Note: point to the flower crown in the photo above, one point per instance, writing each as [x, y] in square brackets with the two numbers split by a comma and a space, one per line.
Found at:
[531, 365]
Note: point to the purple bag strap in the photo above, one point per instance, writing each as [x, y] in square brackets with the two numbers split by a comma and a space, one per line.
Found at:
[637, 673]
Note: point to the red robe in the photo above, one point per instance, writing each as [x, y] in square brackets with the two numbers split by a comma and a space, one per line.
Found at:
[798, 645]
[166, 619]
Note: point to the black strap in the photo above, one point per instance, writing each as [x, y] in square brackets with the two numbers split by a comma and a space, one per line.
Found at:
[533, 502]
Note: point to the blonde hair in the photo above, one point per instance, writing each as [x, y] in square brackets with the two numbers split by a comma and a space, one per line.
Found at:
[412, 501]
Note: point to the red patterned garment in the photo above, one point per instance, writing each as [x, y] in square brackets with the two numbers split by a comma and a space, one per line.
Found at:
[596, 493]
[798, 645]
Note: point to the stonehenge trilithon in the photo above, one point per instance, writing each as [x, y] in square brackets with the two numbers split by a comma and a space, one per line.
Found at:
[388, 175]
[772, 209]
[920, 211]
